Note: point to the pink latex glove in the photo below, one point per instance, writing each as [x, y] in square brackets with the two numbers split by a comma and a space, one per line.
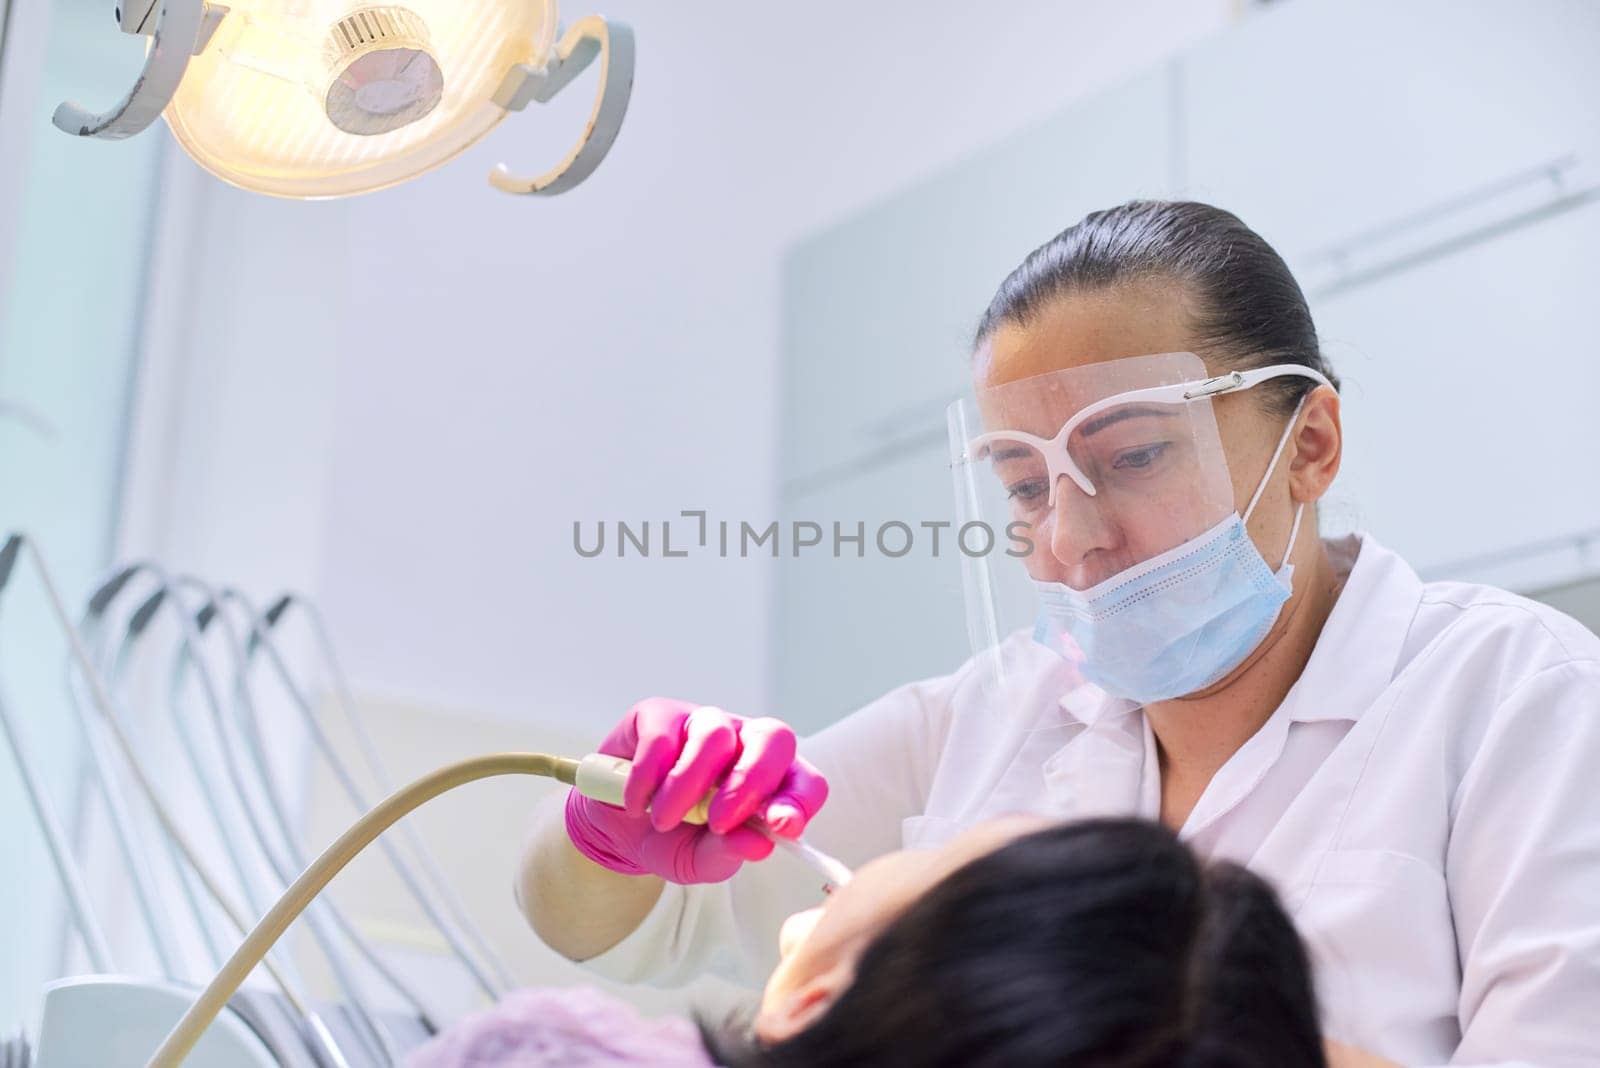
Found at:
[679, 752]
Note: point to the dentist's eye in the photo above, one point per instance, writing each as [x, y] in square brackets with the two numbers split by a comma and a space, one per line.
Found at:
[1029, 490]
[1141, 458]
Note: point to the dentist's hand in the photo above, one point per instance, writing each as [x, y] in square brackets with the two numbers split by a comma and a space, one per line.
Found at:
[680, 752]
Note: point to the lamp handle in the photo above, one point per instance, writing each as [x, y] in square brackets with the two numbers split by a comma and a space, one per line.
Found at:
[591, 37]
[182, 28]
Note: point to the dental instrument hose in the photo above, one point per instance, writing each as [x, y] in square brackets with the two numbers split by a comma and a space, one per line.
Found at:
[597, 776]
[311, 882]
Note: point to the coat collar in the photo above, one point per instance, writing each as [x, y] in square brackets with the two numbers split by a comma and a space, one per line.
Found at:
[1358, 653]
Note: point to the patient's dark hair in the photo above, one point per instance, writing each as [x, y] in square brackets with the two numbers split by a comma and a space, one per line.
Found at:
[1103, 944]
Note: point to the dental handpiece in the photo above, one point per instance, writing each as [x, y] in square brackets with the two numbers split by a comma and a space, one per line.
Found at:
[602, 778]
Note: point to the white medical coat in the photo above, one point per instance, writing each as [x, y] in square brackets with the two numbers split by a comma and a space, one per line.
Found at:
[1426, 800]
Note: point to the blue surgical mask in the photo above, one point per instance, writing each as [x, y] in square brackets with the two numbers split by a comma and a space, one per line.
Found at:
[1180, 621]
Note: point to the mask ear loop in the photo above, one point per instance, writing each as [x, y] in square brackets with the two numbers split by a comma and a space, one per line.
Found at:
[1294, 532]
[1300, 509]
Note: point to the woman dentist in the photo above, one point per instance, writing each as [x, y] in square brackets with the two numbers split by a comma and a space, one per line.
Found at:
[1411, 764]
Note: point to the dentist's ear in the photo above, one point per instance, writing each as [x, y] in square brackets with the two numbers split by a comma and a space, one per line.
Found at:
[1318, 447]
[799, 1009]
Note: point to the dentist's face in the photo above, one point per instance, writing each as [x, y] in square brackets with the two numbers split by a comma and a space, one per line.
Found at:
[819, 947]
[1079, 540]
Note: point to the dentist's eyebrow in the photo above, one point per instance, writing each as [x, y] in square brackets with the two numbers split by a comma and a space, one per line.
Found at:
[1094, 426]
[1015, 452]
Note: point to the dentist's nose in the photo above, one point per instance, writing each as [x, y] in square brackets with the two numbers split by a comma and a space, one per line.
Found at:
[1081, 534]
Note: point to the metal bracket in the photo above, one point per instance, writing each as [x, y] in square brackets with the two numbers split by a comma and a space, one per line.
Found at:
[591, 37]
[214, 14]
[181, 28]
[137, 16]
[138, 20]
[1212, 386]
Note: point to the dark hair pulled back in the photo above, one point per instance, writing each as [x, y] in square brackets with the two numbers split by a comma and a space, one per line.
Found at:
[1248, 311]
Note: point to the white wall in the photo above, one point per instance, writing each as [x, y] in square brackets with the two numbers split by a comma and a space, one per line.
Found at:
[506, 367]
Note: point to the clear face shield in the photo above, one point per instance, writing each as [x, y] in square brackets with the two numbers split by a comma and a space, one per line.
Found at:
[1117, 540]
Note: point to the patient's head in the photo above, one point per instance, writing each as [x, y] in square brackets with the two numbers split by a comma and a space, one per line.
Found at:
[1103, 943]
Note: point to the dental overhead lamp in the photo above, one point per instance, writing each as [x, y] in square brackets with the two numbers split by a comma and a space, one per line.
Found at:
[329, 98]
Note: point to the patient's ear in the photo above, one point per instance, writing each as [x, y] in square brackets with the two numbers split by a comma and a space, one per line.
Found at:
[799, 1009]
